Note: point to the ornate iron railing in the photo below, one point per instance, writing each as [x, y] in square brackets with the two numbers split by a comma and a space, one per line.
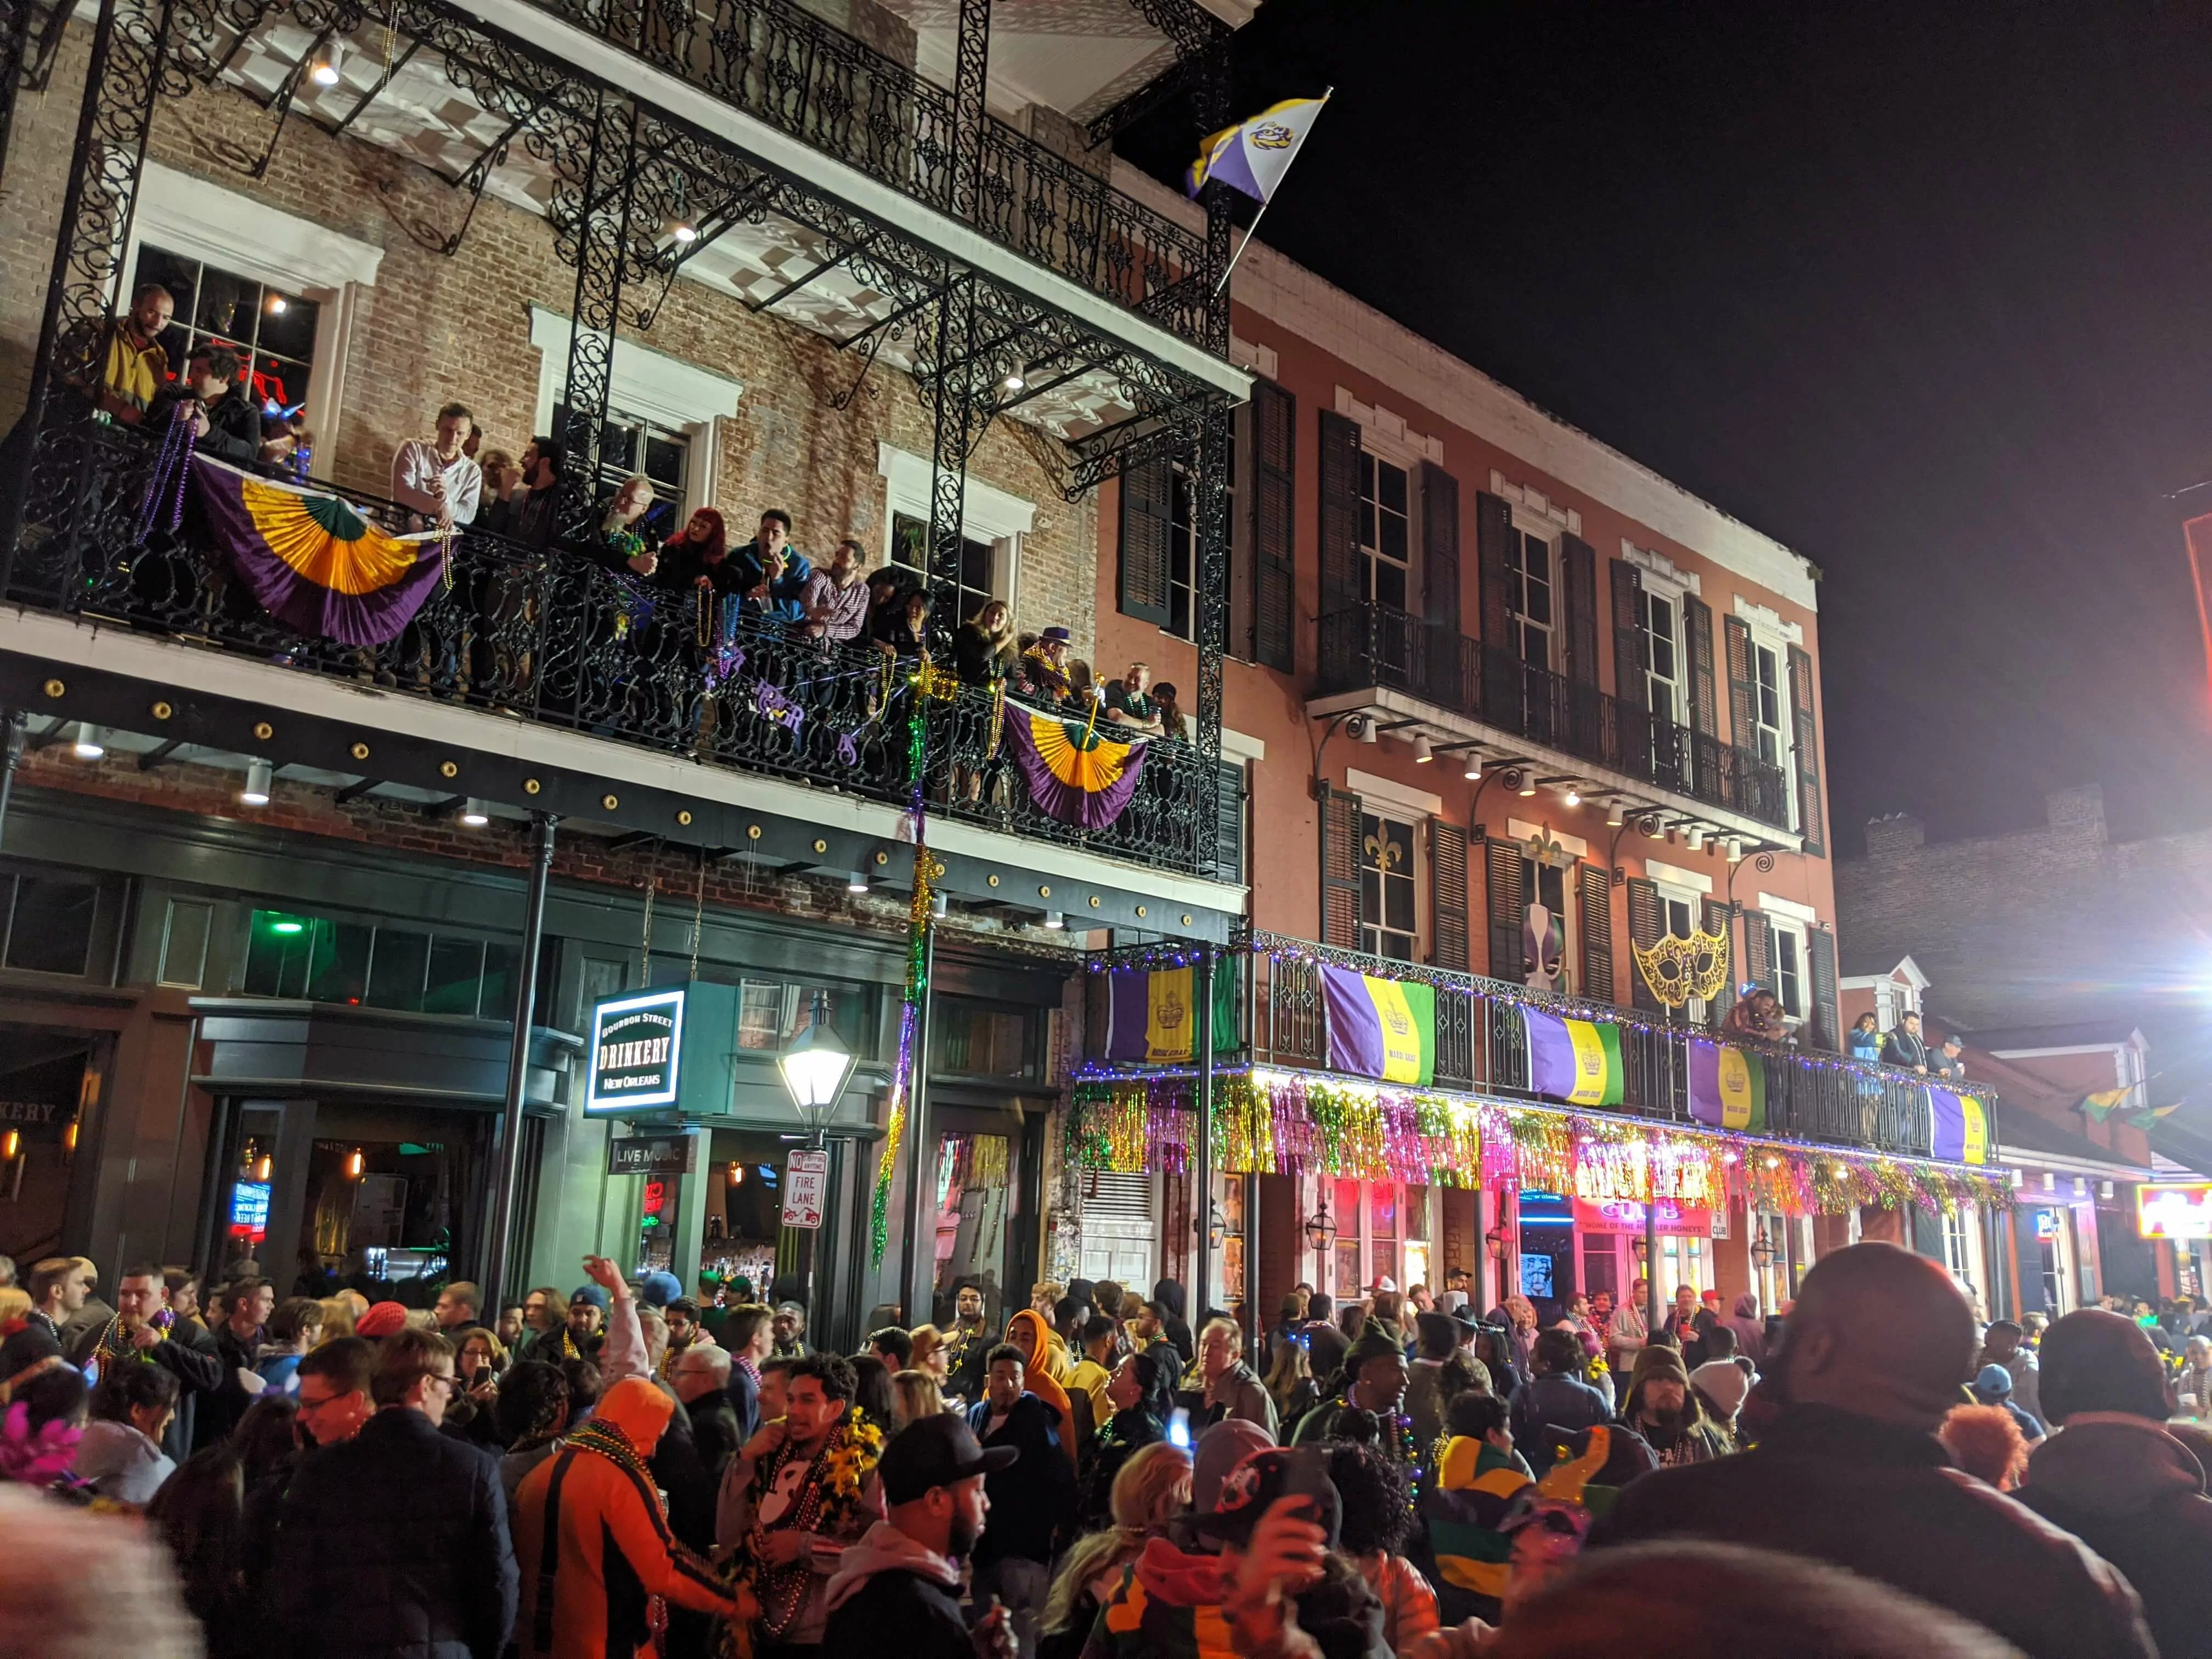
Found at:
[781, 64]
[1482, 1047]
[551, 636]
[1379, 647]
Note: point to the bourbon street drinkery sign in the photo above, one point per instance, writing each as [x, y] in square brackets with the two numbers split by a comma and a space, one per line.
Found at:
[638, 1048]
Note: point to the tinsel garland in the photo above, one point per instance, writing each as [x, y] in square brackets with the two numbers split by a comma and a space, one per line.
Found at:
[1294, 1122]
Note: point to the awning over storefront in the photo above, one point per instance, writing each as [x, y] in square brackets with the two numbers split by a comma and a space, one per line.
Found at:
[277, 1049]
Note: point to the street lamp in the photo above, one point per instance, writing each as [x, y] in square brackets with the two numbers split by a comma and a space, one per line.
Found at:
[1762, 1250]
[1496, 1238]
[816, 1069]
[1321, 1231]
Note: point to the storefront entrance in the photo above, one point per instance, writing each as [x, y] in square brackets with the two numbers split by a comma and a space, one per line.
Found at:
[986, 1160]
[43, 1080]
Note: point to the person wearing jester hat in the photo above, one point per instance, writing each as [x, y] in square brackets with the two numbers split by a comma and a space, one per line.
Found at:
[1548, 1521]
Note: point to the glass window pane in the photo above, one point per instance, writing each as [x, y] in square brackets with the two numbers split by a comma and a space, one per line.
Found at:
[975, 565]
[1398, 896]
[287, 325]
[279, 380]
[1390, 585]
[1392, 544]
[337, 966]
[495, 998]
[395, 973]
[910, 541]
[455, 965]
[52, 928]
[1390, 487]
[664, 462]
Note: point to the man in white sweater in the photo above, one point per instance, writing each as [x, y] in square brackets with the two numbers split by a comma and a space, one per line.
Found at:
[434, 477]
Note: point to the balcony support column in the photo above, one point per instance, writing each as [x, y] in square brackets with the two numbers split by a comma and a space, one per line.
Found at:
[971, 66]
[594, 234]
[1201, 990]
[507, 1180]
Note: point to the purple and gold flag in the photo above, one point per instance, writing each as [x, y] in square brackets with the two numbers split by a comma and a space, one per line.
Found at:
[1728, 1086]
[1576, 1060]
[1961, 1127]
[1151, 1014]
[1075, 772]
[310, 560]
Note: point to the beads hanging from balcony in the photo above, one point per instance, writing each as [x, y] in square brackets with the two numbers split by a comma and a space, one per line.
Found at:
[1291, 1122]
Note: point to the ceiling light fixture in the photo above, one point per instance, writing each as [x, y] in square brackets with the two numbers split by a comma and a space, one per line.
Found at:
[325, 73]
[85, 741]
[1736, 850]
[260, 776]
[1695, 840]
[1614, 815]
[474, 813]
[681, 231]
[1528, 785]
[1473, 770]
[1424, 751]
[1053, 920]
[857, 882]
[1573, 797]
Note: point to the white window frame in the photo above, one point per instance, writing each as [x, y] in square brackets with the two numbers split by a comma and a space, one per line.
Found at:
[1771, 633]
[1780, 928]
[1383, 452]
[1659, 687]
[678, 395]
[986, 515]
[221, 227]
[1384, 812]
[1534, 526]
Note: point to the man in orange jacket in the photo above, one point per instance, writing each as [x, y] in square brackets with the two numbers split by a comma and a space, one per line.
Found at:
[593, 1545]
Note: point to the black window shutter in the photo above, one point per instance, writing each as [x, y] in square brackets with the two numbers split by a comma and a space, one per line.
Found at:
[1579, 571]
[1508, 910]
[1597, 919]
[1698, 632]
[1826, 1020]
[1740, 683]
[1229, 824]
[1341, 582]
[1147, 520]
[1448, 895]
[1494, 535]
[1805, 737]
[1758, 965]
[1340, 868]
[1631, 665]
[1274, 527]
[1643, 931]
[1440, 545]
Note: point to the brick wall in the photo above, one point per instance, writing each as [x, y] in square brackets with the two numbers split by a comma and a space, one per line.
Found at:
[2052, 924]
[434, 328]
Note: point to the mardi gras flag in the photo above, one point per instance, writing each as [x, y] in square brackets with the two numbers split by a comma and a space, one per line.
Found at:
[1577, 1060]
[1076, 772]
[310, 560]
[2103, 1104]
[1153, 1016]
[1254, 155]
[1728, 1086]
[1384, 1029]
[1962, 1127]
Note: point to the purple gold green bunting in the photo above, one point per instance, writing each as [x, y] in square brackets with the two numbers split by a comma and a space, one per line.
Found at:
[1074, 772]
[1380, 1027]
[312, 562]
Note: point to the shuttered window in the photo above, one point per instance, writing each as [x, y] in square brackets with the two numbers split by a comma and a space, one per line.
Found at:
[1758, 965]
[1340, 868]
[1229, 824]
[1147, 530]
[1275, 521]
[1743, 725]
[1630, 667]
[1596, 893]
[1448, 921]
[1578, 576]
[1343, 566]
[1646, 927]
[1698, 635]
[1440, 580]
[1805, 744]
[1502, 895]
[1824, 1019]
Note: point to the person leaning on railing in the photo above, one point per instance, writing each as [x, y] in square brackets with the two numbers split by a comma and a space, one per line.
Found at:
[225, 424]
[834, 601]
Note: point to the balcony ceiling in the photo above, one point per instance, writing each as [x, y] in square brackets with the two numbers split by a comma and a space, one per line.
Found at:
[1401, 717]
[1078, 56]
[423, 115]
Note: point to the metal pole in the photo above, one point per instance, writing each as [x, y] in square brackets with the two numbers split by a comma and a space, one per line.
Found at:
[1201, 981]
[11, 747]
[918, 1250]
[495, 1267]
[1650, 1266]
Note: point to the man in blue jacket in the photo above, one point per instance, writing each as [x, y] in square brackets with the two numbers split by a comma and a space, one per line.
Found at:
[401, 1527]
[1556, 1396]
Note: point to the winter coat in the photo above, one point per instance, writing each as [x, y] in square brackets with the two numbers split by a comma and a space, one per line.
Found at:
[1882, 1500]
[1124, 1435]
[404, 1529]
[596, 1543]
[1468, 1555]
[1555, 1401]
[888, 1583]
[1031, 1495]
[2135, 1495]
[1240, 1394]
[1750, 1330]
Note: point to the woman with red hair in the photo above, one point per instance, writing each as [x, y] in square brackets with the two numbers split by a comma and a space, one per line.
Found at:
[1984, 1442]
[694, 554]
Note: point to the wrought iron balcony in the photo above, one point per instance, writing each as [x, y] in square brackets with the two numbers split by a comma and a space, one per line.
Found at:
[552, 637]
[775, 61]
[1482, 1048]
[1377, 647]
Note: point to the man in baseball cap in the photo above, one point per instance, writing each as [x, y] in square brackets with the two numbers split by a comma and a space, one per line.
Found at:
[904, 1574]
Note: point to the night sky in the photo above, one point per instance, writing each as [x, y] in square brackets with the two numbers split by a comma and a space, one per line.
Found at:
[1921, 291]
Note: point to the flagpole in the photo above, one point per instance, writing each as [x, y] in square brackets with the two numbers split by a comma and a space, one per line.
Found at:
[1252, 228]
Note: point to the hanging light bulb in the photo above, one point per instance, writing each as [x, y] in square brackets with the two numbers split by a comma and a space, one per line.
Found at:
[324, 71]
[1573, 797]
[260, 776]
[681, 230]
[355, 1164]
[1424, 751]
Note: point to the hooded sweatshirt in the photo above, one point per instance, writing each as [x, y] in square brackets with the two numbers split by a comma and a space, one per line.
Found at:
[888, 1582]
[1750, 1330]
[1039, 1380]
[119, 1463]
[2135, 1495]
[593, 1542]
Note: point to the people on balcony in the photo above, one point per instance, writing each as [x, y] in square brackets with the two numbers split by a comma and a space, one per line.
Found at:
[1903, 1046]
[770, 571]
[225, 424]
[1757, 1016]
[1042, 675]
[434, 477]
[696, 555]
[616, 543]
[1125, 702]
[133, 364]
[834, 601]
[983, 645]
[530, 519]
[503, 492]
[1173, 722]
[907, 634]
[1947, 1061]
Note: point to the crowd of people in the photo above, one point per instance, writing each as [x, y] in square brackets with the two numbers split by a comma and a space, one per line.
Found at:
[624, 1469]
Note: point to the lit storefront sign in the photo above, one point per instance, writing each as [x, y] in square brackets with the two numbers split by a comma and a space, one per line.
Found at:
[2174, 1210]
[1626, 1215]
[637, 1047]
